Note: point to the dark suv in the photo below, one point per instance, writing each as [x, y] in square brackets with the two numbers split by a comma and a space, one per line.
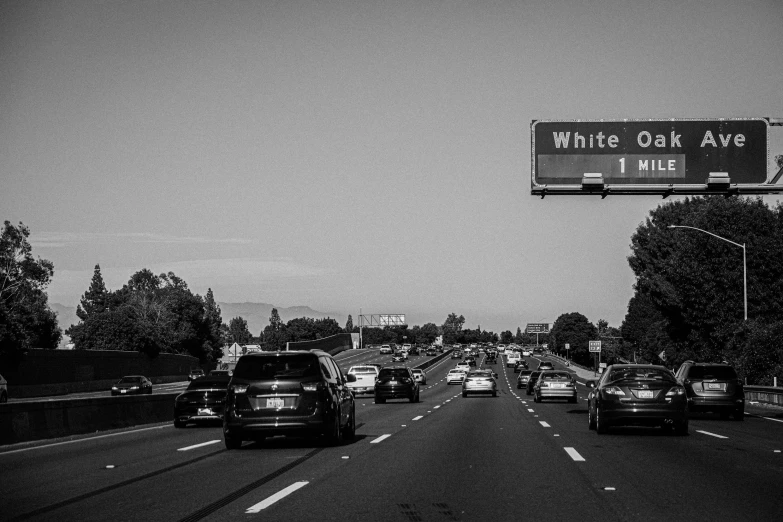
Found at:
[396, 382]
[288, 393]
[713, 387]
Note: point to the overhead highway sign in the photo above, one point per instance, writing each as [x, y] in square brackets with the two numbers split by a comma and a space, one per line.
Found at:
[652, 156]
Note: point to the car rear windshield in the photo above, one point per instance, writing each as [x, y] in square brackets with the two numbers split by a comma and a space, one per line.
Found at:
[363, 369]
[393, 373]
[130, 379]
[556, 376]
[711, 372]
[209, 383]
[282, 366]
[640, 374]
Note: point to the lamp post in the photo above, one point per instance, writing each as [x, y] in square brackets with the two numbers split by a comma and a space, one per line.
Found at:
[744, 261]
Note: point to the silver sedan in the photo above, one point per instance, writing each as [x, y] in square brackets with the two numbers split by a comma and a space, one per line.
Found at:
[480, 381]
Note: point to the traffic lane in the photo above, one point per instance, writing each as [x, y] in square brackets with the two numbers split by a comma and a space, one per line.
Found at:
[651, 468]
[43, 475]
[156, 388]
[461, 463]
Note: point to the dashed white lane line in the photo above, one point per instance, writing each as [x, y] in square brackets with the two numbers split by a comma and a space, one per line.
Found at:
[436, 407]
[380, 439]
[417, 418]
[199, 445]
[530, 410]
[574, 454]
[544, 424]
[274, 498]
[712, 434]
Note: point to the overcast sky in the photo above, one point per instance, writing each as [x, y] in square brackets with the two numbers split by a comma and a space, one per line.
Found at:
[366, 153]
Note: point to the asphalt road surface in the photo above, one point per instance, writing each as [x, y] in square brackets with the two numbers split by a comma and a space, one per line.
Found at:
[446, 458]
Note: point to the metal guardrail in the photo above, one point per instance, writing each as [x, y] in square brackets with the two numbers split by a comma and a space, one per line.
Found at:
[764, 395]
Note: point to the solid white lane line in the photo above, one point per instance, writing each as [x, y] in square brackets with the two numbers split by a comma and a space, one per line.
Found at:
[544, 424]
[274, 498]
[417, 418]
[381, 438]
[712, 434]
[574, 454]
[762, 417]
[86, 439]
[199, 445]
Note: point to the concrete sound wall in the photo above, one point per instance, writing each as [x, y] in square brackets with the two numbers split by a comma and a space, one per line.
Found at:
[26, 421]
[46, 372]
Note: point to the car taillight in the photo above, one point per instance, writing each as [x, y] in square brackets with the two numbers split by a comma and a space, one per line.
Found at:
[310, 386]
[613, 390]
[677, 390]
[239, 388]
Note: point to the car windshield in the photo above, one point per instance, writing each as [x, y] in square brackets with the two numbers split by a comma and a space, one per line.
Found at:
[281, 366]
[393, 373]
[640, 374]
[478, 374]
[711, 372]
[417, 372]
[130, 380]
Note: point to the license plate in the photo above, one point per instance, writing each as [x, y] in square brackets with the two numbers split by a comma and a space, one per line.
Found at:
[274, 402]
[645, 394]
[204, 411]
[557, 385]
[714, 386]
[123, 391]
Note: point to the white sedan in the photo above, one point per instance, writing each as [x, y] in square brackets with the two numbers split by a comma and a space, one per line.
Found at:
[420, 376]
[455, 376]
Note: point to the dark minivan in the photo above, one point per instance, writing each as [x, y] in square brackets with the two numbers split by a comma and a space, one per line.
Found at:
[296, 393]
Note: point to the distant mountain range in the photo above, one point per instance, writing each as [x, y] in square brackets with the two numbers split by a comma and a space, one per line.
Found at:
[256, 314]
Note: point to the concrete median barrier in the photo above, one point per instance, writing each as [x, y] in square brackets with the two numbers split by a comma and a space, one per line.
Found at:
[26, 421]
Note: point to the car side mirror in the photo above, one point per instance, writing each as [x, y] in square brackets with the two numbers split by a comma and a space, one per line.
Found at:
[350, 377]
[495, 375]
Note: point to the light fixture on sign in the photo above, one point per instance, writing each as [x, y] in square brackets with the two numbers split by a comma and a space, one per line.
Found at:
[718, 180]
[593, 181]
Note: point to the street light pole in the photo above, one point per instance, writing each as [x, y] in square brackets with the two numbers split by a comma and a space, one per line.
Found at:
[744, 261]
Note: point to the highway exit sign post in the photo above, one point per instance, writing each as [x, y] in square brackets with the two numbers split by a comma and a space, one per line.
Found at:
[652, 156]
[595, 347]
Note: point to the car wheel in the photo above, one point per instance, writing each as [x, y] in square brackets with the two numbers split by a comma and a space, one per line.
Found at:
[3, 397]
[334, 437]
[378, 400]
[681, 428]
[350, 429]
[232, 442]
[739, 415]
[495, 393]
[179, 423]
[590, 419]
[601, 426]
[536, 398]
[464, 394]
[572, 400]
[527, 392]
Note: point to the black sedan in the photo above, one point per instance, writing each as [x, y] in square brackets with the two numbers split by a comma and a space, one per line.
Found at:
[396, 382]
[132, 385]
[203, 400]
[638, 395]
[532, 381]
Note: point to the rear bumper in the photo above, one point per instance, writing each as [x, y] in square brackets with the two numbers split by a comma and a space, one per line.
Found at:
[358, 390]
[557, 393]
[251, 427]
[652, 414]
[716, 403]
[394, 393]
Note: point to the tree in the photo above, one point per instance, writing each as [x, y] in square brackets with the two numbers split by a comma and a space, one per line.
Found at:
[238, 331]
[151, 314]
[26, 321]
[452, 328]
[95, 299]
[573, 328]
[695, 281]
[274, 333]
[214, 323]
[506, 337]
[349, 324]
